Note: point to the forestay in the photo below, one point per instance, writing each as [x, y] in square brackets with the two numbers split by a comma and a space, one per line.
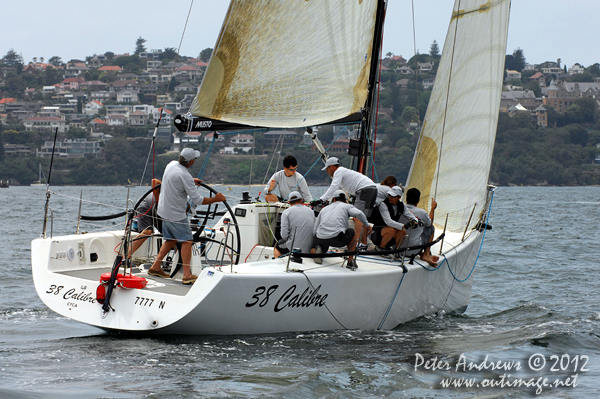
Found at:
[289, 63]
[454, 153]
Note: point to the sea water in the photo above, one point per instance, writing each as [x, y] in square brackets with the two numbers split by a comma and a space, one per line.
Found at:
[531, 329]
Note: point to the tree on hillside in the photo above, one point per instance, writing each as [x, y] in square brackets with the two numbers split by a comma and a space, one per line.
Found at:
[582, 77]
[578, 135]
[56, 61]
[109, 55]
[169, 53]
[594, 69]
[205, 54]
[516, 61]
[434, 50]
[139, 45]
[12, 59]
[409, 114]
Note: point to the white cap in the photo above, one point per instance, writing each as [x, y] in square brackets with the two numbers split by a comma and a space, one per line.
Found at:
[189, 153]
[331, 161]
[339, 193]
[294, 196]
[396, 191]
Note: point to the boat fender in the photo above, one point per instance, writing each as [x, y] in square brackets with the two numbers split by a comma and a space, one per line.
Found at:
[101, 294]
[136, 282]
[105, 277]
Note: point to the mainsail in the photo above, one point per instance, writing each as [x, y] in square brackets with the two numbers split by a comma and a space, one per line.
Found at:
[289, 63]
[454, 153]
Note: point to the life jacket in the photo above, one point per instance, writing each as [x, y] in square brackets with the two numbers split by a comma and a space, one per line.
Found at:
[394, 211]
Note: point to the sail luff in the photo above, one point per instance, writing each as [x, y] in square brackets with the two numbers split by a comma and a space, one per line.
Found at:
[462, 114]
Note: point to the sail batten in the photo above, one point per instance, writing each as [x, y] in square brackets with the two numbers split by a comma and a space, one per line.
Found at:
[289, 64]
[453, 157]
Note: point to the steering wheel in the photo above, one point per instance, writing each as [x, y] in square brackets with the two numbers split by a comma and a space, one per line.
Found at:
[213, 213]
[208, 213]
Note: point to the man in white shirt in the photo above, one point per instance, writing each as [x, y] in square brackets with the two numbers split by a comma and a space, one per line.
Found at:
[287, 180]
[356, 184]
[297, 223]
[331, 228]
[176, 186]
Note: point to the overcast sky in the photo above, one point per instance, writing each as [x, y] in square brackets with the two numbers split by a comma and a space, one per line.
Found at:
[73, 29]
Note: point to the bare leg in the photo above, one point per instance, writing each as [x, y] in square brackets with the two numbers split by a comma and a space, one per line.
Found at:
[359, 227]
[387, 233]
[427, 257]
[352, 245]
[164, 250]
[278, 254]
[139, 240]
[399, 236]
[186, 257]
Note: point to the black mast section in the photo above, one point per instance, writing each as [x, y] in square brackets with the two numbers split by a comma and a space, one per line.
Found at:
[366, 126]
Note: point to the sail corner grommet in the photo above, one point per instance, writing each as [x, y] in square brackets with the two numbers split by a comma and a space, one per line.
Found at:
[154, 323]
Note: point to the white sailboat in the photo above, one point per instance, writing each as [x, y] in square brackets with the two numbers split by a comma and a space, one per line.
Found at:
[301, 64]
[39, 182]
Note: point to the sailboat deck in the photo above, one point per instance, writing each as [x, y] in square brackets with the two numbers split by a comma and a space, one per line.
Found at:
[164, 285]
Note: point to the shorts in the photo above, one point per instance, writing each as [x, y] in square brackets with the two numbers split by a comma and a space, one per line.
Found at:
[376, 237]
[426, 234]
[341, 240]
[145, 221]
[365, 200]
[179, 231]
[282, 248]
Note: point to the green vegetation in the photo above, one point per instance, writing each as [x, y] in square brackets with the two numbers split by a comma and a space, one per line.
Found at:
[525, 154]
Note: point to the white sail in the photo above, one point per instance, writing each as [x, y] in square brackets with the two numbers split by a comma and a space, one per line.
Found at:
[289, 64]
[454, 154]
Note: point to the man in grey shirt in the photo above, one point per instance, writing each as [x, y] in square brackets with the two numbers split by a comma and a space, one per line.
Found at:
[331, 227]
[287, 180]
[177, 185]
[297, 224]
[424, 233]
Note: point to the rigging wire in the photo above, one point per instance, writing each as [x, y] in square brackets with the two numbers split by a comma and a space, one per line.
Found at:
[185, 26]
[271, 161]
[415, 52]
[437, 175]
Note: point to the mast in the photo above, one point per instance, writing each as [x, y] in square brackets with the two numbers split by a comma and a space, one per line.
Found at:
[362, 153]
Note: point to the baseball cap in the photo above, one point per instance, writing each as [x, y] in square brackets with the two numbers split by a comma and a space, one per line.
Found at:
[294, 196]
[331, 161]
[396, 191]
[189, 153]
[339, 194]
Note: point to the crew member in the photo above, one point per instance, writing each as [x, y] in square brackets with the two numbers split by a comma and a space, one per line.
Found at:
[355, 184]
[177, 186]
[297, 223]
[425, 231]
[385, 220]
[146, 217]
[331, 228]
[287, 180]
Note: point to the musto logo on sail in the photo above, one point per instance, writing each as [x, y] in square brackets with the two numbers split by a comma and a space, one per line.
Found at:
[289, 299]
